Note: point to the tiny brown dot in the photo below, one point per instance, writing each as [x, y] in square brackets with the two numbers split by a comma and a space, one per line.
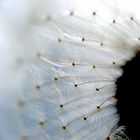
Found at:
[61, 106]
[71, 13]
[85, 118]
[98, 107]
[83, 39]
[101, 44]
[131, 18]
[41, 123]
[113, 63]
[97, 89]
[38, 54]
[59, 40]
[55, 78]
[38, 87]
[64, 127]
[94, 13]
[107, 138]
[94, 66]
[114, 21]
[20, 103]
[73, 64]
[75, 85]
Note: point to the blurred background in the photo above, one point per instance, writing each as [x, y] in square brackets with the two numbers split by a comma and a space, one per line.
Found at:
[128, 91]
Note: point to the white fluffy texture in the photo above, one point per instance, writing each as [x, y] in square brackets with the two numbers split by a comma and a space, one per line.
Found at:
[59, 63]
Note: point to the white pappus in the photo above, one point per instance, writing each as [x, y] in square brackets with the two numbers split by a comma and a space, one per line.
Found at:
[59, 63]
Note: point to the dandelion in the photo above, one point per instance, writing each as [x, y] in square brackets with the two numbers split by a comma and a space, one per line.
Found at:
[58, 74]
